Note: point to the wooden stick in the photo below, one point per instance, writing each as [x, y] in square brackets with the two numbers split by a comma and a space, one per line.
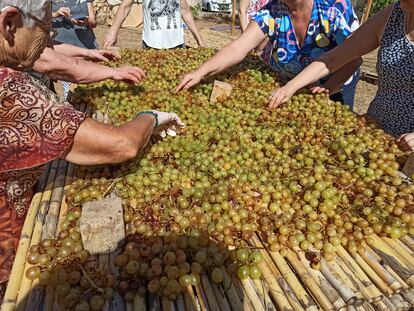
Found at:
[409, 296]
[395, 246]
[16, 275]
[316, 283]
[180, 306]
[389, 280]
[220, 296]
[166, 304]
[154, 303]
[233, 16]
[366, 12]
[263, 293]
[370, 289]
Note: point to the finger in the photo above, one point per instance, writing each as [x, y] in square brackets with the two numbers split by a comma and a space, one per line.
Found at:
[182, 84]
[137, 73]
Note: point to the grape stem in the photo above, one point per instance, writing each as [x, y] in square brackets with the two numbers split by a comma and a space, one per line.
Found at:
[85, 274]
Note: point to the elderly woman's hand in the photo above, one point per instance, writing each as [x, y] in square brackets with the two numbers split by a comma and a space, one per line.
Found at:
[131, 75]
[102, 55]
[280, 96]
[406, 142]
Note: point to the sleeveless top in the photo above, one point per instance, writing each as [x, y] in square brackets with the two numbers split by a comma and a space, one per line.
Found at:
[393, 105]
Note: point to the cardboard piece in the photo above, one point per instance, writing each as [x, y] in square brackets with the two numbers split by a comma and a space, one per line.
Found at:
[220, 88]
[102, 225]
[408, 168]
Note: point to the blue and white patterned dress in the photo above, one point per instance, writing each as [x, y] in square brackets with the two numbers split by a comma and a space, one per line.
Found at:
[393, 105]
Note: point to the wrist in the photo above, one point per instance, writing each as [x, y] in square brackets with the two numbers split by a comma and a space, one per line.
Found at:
[151, 114]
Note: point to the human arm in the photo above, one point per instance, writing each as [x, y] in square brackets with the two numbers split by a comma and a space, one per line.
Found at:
[99, 143]
[364, 40]
[406, 142]
[92, 55]
[91, 21]
[63, 11]
[189, 21]
[62, 67]
[121, 14]
[230, 55]
[243, 5]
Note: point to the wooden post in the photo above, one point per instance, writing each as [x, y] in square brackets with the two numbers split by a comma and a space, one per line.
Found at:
[367, 11]
[233, 16]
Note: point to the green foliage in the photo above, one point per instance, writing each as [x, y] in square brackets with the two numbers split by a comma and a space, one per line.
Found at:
[195, 10]
[378, 5]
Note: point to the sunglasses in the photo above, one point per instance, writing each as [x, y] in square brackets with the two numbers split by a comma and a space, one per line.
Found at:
[46, 26]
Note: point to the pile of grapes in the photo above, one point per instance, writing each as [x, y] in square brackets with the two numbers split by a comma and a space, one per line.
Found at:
[308, 176]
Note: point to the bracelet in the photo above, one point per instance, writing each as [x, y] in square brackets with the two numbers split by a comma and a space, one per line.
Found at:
[152, 113]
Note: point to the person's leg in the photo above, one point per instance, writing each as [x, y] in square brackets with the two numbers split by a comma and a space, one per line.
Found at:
[347, 95]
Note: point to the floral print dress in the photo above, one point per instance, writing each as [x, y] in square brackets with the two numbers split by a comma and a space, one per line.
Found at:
[35, 127]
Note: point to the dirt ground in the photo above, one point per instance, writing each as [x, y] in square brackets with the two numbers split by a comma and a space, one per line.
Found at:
[217, 33]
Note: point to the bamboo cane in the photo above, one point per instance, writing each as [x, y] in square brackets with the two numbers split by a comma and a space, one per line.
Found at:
[202, 298]
[366, 12]
[409, 296]
[220, 296]
[363, 275]
[284, 298]
[316, 282]
[383, 305]
[10, 296]
[398, 249]
[335, 266]
[263, 291]
[408, 241]
[208, 290]
[231, 292]
[348, 296]
[233, 16]
[154, 303]
[190, 300]
[380, 270]
[250, 299]
[166, 304]
[24, 289]
[398, 302]
[179, 303]
[365, 289]
[293, 282]
[378, 281]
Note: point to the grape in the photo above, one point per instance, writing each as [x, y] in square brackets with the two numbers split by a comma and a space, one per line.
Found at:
[242, 254]
[243, 272]
[33, 273]
[255, 272]
[97, 302]
[217, 275]
[82, 306]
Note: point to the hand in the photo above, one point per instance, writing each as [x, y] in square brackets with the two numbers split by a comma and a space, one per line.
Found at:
[63, 11]
[166, 123]
[189, 80]
[318, 89]
[110, 40]
[80, 22]
[406, 142]
[131, 75]
[91, 23]
[102, 55]
[280, 96]
[201, 43]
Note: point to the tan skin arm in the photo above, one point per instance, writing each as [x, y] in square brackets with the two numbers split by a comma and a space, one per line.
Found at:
[98, 143]
[121, 15]
[189, 21]
[364, 40]
[230, 55]
[243, 6]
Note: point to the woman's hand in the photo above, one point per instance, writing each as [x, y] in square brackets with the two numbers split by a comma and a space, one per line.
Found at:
[110, 39]
[280, 96]
[131, 75]
[102, 55]
[406, 142]
[90, 23]
[319, 89]
[190, 80]
[63, 11]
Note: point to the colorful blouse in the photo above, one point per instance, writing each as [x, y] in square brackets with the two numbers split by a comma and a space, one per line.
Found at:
[35, 127]
[254, 7]
[331, 22]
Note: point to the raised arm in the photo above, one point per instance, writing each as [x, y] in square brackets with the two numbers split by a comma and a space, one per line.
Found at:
[230, 55]
[62, 67]
[189, 21]
[91, 21]
[243, 5]
[364, 40]
[121, 15]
